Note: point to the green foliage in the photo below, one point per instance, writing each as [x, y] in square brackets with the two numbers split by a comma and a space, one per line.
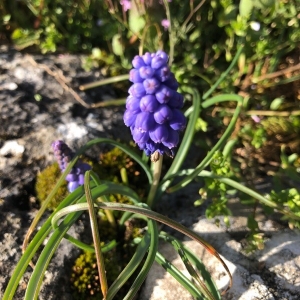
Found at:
[289, 198]
[216, 190]
[256, 135]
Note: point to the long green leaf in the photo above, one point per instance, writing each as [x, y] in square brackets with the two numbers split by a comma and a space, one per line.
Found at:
[34, 245]
[153, 232]
[196, 262]
[224, 74]
[95, 234]
[155, 216]
[218, 145]
[135, 261]
[179, 276]
[251, 193]
[36, 278]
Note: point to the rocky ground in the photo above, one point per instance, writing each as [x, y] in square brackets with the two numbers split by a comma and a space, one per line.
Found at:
[40, 102]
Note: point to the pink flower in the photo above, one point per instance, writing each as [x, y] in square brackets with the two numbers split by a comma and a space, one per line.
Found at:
[255, 118]
[126, 4]
[165, 23]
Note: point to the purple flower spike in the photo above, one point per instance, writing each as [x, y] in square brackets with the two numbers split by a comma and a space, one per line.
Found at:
[129, 118]
[159, 134]
[152, 109]
[172, 140]
[164, 94]
[146, 72]
[133, 104]
[64, 155]
[134, 76]
[138, 62]
[163, 114]
[178, 121]
[151, 85]
[149, 103]
[72, 186]
[176, 101]
[144, 122]
[137, 90]
[147, 57]
[163, 74]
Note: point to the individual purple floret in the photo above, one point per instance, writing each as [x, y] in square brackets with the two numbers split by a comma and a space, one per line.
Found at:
[64, 155]
[153, 105]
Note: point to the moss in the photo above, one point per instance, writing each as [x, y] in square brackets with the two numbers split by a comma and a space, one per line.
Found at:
[85, 276]
[46, 180]
[108, 168]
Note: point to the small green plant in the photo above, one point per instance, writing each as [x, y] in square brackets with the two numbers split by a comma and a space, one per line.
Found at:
[217, 191]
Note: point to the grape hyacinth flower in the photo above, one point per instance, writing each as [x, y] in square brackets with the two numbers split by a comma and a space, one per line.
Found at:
[153, 105]
[64, 155]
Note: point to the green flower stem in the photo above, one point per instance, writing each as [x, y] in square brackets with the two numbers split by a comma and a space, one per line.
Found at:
[101, 82]
[96, 235]
[219, 144]
[224, 75]
[250, 192]
[171, 33]
[156, 177]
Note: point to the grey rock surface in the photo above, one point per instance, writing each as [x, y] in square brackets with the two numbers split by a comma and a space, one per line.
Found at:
[272, 273]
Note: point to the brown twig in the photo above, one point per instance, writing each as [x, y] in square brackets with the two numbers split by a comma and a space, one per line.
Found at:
[267, 113]
[276, 74]
[60, 78]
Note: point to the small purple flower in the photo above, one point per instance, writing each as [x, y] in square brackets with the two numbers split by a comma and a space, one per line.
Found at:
[165, 24]
[126, 4]
[152, 108]
[64, 155]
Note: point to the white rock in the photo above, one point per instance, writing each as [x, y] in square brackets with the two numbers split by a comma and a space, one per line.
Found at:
[12, 148]
[267, 274]
[71, 131]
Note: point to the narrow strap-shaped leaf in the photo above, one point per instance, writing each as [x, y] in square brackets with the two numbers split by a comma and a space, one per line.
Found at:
[217, 146]
[96, 235]
[203, 288]
[135, 261]
[224, 74]
[251, 193]
[196, 262]
[34, 245]
[155, 216]
[179, 276]
[153, 232]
